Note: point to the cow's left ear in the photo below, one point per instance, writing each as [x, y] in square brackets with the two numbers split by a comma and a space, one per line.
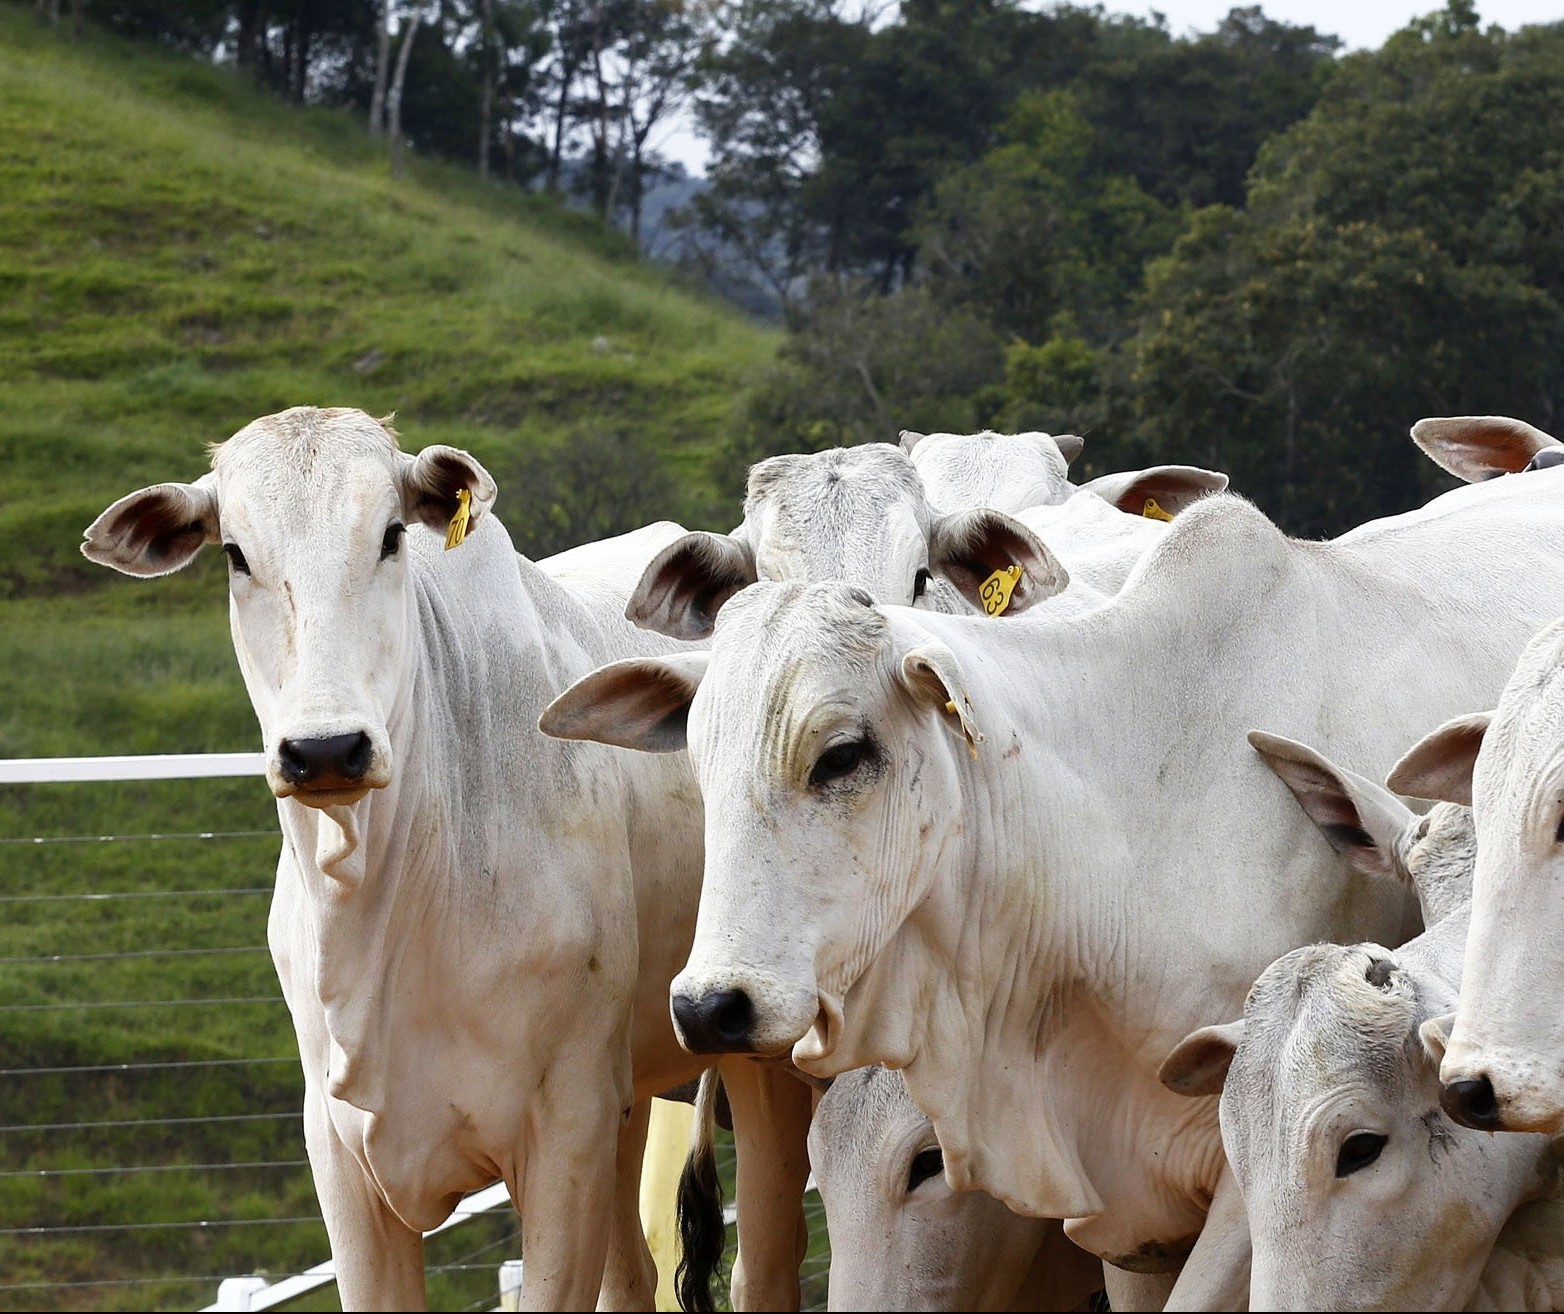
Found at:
[1360, 820]
[1435, 1035]
[641, 703]
[1171, 487]
[1198, 1064]
[931, 674]
[967, 547]
[156, 530]
[432, 483]
[1439, 766]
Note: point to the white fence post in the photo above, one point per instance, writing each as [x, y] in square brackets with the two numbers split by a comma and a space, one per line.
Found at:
[234, 1293]
[510, 1284]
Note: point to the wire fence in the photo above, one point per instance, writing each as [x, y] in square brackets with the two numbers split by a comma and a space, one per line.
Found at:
[151, 1140]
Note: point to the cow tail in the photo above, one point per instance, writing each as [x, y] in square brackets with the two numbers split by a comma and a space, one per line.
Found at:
[702, 1231]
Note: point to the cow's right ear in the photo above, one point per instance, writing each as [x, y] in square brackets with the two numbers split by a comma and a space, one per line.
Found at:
[684, 586]
[1478, 447]
[1198, 1064]
[433, 481]
[1439, 766]
[641, 703]
[156, 530]
[1171, 487]
[1361, 820]
[909, 439]
[967, 547]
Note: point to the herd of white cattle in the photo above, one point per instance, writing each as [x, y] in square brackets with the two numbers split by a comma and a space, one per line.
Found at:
[1039, 826]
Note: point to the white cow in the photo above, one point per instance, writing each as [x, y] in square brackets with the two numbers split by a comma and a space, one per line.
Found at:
[1016, 860]
[473, 925]
[1503, 1067]
[1359, 1192]
[849, 513]
[902, 1239]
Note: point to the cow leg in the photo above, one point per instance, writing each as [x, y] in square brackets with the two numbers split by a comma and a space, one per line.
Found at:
[630, 1276]
[566, 1197]
[379, 1260]
[771, 1111]
[1135, 1291]
[1216, 1274]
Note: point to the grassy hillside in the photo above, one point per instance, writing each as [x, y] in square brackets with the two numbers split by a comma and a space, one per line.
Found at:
[179, 254]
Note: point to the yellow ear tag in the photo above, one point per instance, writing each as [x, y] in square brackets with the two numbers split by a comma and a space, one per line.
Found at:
[997, 589]
[1154, 512]
[973, 736]
[456, 531]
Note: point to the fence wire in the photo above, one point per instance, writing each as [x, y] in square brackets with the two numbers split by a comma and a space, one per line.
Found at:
[151, 1139]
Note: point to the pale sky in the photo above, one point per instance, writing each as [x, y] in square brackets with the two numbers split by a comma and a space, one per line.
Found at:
[1361, 24]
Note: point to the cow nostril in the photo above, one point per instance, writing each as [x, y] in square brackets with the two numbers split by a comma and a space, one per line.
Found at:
[293, 764]
[1472, 1103]
[356, 763]
[718, 1023]
[732, 1015]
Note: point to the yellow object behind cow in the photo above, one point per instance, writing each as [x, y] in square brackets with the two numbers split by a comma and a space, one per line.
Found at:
[667, 1144]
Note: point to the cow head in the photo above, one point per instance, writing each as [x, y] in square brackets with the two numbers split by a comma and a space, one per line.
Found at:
[1007, 471]
[856, 514]
[1503, 1062]
[826, 736]
[312, 509]
[901, 1238]
[1360, 1193]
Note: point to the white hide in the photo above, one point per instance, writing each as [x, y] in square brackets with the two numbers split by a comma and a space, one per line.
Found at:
[902, 808]
[1359, 1192]
[1508, 1034]
[902, 1239]
[456, 930]
[1007, 471]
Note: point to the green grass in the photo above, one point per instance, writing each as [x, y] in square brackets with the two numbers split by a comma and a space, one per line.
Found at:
[178, 255]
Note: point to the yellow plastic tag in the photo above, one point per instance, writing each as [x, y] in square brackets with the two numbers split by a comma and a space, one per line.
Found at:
[456, 531]
[997, 589]
[1154, 512]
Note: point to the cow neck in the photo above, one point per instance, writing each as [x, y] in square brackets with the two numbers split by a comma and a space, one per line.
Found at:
[413, 867]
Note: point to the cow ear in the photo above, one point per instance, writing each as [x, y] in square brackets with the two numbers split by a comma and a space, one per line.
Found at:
[966, 547]
[910, 438]
[1363, 821]
[1069, 445]
[932, 675]
[432, 483]
[1478, 447]
[684, 586]
[1198, 1064]
[1171, 487]
[156, 530]
[1439, 766]
[1435, 1035]
[641, 703]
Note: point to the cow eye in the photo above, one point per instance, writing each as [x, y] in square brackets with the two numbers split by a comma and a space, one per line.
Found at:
[392, 540]
[1358, 1151]
[920, 581]
[839, 760]
[925, 1164]
[236, 559]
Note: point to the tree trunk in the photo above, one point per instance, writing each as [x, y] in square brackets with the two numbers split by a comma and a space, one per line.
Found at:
[377, 99]
[486, 94]
[394, 99]
[245, 50]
